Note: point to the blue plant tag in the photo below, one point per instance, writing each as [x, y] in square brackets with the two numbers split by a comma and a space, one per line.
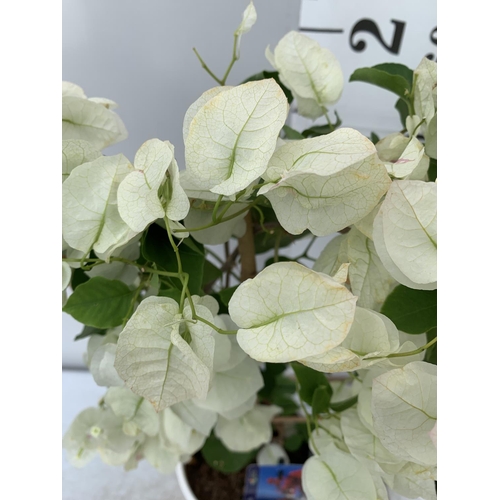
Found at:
[273, 482]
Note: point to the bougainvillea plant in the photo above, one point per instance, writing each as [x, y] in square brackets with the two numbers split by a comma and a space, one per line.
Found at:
[199, 348]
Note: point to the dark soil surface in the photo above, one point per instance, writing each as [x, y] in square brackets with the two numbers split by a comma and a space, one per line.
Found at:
[209, 484]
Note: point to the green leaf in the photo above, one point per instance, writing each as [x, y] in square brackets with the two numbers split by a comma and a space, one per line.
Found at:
[79, 276]
[382, 78]
[278, 389]
[226, 294]
[412, 311]
[432, 172]
[291, 133]
[100, 302]
[402, 108]
[271, 74]
[172, 293]
[281, 258]
[374, 138]
[222, 305]
[320, 400]
[294, 442]
[431, 353]
[156, 248]
[397, 69]
[265, 241]
[322, 129]
[344, 405]
[269, 374]
[310, 380]
[220, 458]
[210, 272]
[88, 331]
[286, 403]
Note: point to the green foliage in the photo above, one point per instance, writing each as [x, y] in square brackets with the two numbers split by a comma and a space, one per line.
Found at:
[210, 273]
[432, 172]
[291, 133]
[274, 235]
[88, 331]
[392, 77]
[318, 130]
[100, 302]
[431, 353]
[220, 458]
[320, 400]
[226, 294]
[344, 405]
[412, 311]
[156, 248]
[278, 389]
[402, 109]
[309, 381]
[78, 277]
[397, 70]
[271, 74]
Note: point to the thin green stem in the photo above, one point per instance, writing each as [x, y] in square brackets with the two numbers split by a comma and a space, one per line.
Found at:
[233, 60]
[235, 57]
[220, 221]
[216, 208]
[218, 330]
[206, 68]
[261, 219]
[415, 130]
[191, 303]
[184, 277]
[308, 422]
[227, 206]
[409, 353]
[330, 124]
[128, 262]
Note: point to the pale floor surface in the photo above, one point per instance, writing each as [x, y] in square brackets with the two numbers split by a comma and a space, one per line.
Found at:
[98, 481]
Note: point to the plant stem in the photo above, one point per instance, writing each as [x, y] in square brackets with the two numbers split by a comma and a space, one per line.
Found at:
[220, 81]
[409, 353]
[216, 208]
[206, 226]
[218, 330]
[206, 68]
[180, 274]
[233, 60]
[128, 262]
[308, 423]
[330, 124]
[246, 247]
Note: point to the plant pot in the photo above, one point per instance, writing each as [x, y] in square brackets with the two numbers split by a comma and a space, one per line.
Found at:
[180, 473]
[182, 479]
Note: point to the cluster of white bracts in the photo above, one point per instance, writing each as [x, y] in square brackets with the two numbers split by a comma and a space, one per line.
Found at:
[181, 390]
[387, 439]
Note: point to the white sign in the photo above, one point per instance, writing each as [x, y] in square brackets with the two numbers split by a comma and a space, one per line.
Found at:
[362, 33]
